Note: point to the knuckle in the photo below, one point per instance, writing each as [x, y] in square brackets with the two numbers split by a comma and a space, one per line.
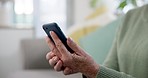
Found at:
[60, 46]
[65, 60]
[50, 62]
[50, 55]
[56, 58]
[54, 50]
[59, 43]
[62, 49]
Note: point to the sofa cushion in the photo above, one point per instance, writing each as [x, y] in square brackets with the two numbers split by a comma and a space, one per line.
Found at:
[34, 52]
[42, 74]
[98, 43]
[80, 32]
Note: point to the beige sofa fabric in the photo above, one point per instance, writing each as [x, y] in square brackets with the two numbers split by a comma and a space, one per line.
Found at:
[34, 52]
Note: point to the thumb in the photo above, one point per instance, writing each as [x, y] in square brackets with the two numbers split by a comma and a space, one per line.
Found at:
[73, 45]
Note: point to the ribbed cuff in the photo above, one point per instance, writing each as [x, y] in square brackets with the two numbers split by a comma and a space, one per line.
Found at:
[105, 72]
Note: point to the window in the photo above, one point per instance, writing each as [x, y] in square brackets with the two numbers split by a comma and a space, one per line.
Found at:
[47, 11]
[23, 13]
[34, 13]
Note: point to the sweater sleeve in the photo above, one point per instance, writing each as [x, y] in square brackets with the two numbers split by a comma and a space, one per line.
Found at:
[105, 72]
[111, 60]
[110, 67]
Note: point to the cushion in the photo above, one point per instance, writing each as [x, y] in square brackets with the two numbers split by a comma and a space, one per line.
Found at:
[76, 35]
[42, 74]
[98, 43]
[34, 52]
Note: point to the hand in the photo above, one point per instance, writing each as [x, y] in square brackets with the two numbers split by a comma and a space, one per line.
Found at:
[79, 61]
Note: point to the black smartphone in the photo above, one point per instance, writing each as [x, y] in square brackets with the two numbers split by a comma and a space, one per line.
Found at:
[54, 27]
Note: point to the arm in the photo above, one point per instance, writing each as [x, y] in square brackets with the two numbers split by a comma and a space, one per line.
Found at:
[105, 72]
[110, 67]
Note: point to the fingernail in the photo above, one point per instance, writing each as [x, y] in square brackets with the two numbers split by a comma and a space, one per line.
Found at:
[50, 32]
[70, 40]
[55, 58]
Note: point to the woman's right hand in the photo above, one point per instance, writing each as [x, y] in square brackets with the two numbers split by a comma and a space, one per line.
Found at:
[79, 61]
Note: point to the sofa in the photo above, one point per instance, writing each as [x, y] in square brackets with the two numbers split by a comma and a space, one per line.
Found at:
[97, 43]
[35, 64]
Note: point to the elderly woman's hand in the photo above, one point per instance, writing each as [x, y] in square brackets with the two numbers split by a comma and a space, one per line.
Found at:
[62, 60]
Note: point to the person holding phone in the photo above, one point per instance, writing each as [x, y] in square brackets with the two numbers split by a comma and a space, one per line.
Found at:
[127, 58]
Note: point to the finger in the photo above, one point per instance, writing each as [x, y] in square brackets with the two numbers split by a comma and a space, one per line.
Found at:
[50, 55]
[73, 45]
[52, 46]
[59, 44]
[58, 66]
[53, 61]
[67, 71]
[50, 43]
[56, 51]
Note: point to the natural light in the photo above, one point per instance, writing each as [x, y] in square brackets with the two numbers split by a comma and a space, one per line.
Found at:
[23, 6]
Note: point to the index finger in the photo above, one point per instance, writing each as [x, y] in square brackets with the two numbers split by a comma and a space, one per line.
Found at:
[61, 47]
[52, 46]
[50, 43]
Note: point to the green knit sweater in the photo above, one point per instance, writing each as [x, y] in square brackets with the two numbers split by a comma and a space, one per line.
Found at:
[129, 55]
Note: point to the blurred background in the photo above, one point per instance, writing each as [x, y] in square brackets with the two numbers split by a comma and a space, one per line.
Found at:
[88, 22]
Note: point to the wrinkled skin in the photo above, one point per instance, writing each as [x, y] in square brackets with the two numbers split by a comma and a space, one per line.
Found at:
[62, 60]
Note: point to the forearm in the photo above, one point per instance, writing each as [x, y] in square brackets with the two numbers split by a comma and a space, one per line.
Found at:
[105, 72]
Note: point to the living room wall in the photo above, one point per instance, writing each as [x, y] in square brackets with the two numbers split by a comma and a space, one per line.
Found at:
[10, 50]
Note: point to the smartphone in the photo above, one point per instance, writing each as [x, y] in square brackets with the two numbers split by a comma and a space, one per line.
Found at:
[54, 27]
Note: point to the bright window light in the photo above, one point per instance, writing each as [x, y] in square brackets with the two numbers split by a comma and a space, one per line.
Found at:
[28, 6]
[23, 6]
[18, 7]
